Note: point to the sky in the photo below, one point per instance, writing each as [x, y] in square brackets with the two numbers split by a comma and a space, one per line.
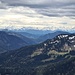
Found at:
[38, 14]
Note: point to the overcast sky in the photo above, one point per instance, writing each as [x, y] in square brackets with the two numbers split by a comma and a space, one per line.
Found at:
[42, 14]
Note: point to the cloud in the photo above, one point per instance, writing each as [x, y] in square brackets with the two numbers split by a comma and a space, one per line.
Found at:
[41, 14]
[19, 17]
[3, 5]
[56, 12]
[46, 7]
[39, 2]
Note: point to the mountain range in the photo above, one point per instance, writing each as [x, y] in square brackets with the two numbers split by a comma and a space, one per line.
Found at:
[50, 35]
[12, 40]
[54, 56]
[29, 35]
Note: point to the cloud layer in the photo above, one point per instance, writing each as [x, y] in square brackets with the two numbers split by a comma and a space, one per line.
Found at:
[42, 14]
[46, 7]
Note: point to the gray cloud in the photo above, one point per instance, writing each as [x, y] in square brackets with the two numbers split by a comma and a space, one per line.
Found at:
[55, 12]
[3, 5]
[53, 3]
[46, 7]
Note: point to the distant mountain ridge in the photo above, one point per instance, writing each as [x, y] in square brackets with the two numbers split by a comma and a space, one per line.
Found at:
[11, 41]
[50, 35]
[29, 35]
[42, 37]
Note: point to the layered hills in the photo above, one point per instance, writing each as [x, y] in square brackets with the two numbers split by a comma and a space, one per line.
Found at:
[53, 57]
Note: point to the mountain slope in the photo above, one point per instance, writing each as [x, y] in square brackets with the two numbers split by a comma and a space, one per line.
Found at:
[50, 35]
[47, 58]
[11, 41]
[29, 35]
